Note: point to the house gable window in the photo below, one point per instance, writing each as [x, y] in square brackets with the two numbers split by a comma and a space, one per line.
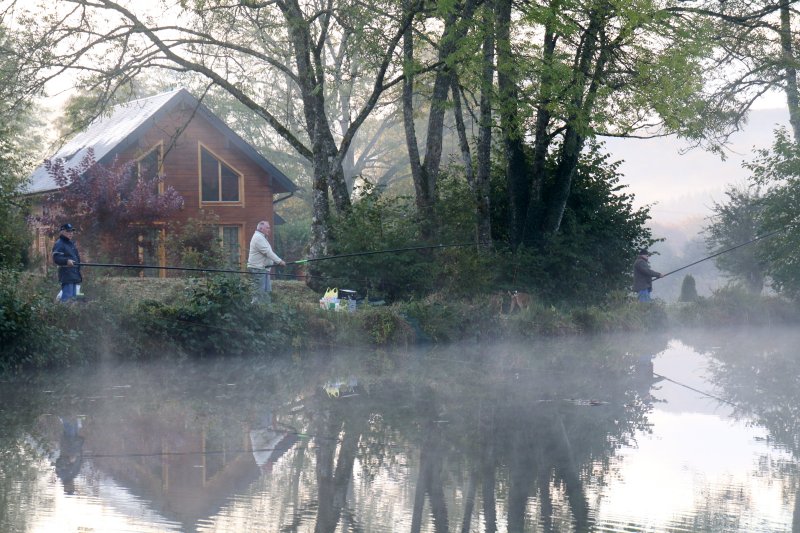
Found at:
[218, 181]
[149, 165]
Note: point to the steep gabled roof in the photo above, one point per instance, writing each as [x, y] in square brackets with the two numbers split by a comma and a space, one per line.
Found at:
[108, 136]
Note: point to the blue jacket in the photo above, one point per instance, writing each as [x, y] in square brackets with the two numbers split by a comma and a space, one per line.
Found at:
[63, 250]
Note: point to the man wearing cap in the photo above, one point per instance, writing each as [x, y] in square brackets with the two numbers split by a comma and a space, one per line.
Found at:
[66, 256]
[260, 259]
[643, 276]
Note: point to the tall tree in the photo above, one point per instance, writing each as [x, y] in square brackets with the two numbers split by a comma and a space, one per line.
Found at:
[737, 221]
[17, 146]
[258, 52]
[776, 171]
[457, 18]
[595, 68]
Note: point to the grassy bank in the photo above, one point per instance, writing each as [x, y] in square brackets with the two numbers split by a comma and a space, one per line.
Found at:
[142, 318]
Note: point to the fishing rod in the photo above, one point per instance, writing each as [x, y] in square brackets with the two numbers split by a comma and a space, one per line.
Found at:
[297, 262]
[395, 250]
[766, 235]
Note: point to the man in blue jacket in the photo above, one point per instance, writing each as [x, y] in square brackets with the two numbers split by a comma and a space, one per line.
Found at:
[66, 256]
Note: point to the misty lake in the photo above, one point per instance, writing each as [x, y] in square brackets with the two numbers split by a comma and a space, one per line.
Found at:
[692, 431]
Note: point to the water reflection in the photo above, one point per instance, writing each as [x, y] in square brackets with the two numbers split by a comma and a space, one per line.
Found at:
[70, 453]
[546, 437]
[761, 382]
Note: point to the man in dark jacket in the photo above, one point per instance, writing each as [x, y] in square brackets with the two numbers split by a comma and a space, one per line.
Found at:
[66, 256]
[643, 276]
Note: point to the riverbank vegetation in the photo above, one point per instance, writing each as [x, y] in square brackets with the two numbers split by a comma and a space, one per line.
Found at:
[140, 318]
[510, 173]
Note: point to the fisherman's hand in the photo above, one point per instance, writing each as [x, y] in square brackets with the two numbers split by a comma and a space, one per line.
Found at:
[282, 263]
[70, 262]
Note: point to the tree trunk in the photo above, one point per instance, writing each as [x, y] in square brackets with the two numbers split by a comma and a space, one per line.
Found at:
[455, 28]
[517, 171]
[578, 121]
[315, 125]
[461, 129]
[790, 72]
[562, 180]
[488, 475]
[469, 502]
[424, 202]
[542, 139]
[484, 147]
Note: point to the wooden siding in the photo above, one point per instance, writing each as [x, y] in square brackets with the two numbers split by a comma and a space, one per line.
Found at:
[182, 172]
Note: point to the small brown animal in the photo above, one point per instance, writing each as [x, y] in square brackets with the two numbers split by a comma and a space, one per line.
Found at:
[519, 300]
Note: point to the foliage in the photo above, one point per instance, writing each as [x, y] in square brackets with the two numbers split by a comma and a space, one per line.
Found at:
[15, 234]
[383, 326]
[29, 336]
[378, 222]
[441, 318]
[777, 170]
[464, 270]
[290, 240]
[17, 146]
[736, 222]
[214, 318]
[112, 206]
[688, 289]
[195, 243]
[735, 304]
[591, 255]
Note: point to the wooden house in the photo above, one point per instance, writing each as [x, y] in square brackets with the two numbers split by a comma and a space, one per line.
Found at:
[203, 159]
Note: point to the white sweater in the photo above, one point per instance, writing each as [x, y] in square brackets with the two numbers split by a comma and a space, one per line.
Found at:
[261, 254]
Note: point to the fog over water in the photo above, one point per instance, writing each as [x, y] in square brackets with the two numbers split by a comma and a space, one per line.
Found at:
[693, 431]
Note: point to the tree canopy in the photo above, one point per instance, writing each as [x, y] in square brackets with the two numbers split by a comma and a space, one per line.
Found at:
[477, 86]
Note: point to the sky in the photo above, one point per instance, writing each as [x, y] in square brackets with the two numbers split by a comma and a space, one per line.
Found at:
[681, 187]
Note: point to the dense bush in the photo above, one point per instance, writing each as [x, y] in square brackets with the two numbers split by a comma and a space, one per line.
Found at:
[29, 336]
[592, 254]
[688, 289]
[214, 318]
[196, 243]
[736, 304]
[377, 223]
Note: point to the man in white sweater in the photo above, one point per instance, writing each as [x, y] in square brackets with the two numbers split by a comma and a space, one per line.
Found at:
[260, 260]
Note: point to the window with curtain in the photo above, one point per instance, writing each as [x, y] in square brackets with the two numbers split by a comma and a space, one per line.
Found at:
[230, 243]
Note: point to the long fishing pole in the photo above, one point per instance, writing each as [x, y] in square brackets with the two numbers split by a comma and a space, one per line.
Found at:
[297, 262]
[358, 254]
[770, 234]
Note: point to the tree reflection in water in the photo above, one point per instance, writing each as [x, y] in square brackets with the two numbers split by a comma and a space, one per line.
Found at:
[492, 438]
[759, 373]
[529, 429]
